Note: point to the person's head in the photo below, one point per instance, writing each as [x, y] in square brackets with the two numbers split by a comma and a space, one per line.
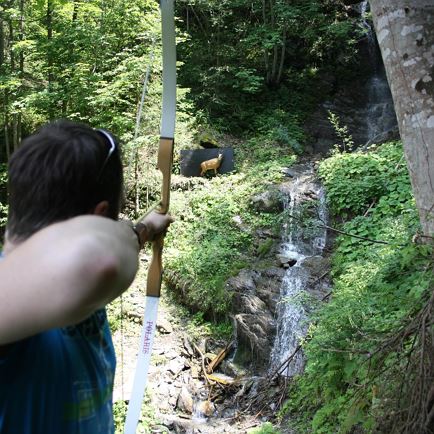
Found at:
[63, 170]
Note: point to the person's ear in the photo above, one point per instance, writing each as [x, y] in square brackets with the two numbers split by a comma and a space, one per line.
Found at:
[101, 208]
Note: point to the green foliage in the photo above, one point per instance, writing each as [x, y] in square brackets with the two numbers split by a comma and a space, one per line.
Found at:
[354, 181]
[197, 327]
[377, 288]
[207, 245]
[145, 423]
[235, 53]
[266, 428]
[264, 247]
[342, 133]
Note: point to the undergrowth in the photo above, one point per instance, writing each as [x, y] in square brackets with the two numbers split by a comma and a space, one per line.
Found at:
[359, 355]
[213, 236]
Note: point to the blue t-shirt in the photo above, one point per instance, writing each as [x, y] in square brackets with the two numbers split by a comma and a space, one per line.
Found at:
[59, 381]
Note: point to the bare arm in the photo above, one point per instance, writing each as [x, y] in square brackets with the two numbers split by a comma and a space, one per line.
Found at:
[63, 273]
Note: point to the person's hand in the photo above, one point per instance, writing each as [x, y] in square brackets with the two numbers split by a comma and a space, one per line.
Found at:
[151, 226]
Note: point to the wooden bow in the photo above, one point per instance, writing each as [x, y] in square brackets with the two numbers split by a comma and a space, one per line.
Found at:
[165, 160]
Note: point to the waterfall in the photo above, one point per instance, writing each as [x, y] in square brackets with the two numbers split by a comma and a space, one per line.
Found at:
[380, 113]
[298, 243]
[380, 116]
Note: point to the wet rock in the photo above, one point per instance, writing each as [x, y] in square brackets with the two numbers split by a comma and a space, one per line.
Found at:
[185, 401]
[248, 303]
[255, 335]
[316, 266]
[287, 172]
[311, 195]
[385, 136]
[205, 408]
[269, 201]
[229, 368]
[266, 234]
[179, 425]
[286, 260]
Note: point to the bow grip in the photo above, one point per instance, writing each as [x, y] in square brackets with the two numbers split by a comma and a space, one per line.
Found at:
[155, 270]
[165, 161]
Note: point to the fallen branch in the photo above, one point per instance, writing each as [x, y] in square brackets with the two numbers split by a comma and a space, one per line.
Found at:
[285, 363]
[219, 358]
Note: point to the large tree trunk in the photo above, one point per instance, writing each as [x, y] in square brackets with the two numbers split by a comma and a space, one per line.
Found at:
[405, 32]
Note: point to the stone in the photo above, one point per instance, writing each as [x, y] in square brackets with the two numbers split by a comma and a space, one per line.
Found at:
[255, 336]
[316, 266]
[287, 260]
[185, 401]
[244, 281]
[207, 408]
[164, 326]
[287, 172]
[163, 389]
[176, 365]
[268, 201]
[248, 303]
[160, 429]
[188, 347]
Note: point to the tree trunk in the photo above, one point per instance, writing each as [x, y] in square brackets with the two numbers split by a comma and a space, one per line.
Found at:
[11, 45]
[6, 124]
[2, 43]
[266, 56]
[49, 21]
[405, 32]
[282, 58]
[21, 38]
[275, 48]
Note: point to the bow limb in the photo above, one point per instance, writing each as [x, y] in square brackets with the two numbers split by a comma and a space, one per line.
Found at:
[165, 159]
[167, 132]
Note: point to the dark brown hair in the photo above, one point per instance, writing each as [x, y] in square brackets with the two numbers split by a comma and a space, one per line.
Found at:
[59, 172]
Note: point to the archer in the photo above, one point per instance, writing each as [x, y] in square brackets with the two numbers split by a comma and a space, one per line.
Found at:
[65, 258]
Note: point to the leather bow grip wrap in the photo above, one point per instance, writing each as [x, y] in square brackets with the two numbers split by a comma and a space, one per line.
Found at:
[155, 270]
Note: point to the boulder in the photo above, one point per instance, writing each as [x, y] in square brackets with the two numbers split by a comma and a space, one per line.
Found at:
[164, 326]
[286, 260]
[244, 281]
[316, 266]
[206, 408]
[269, 201]
[248, 303]
[255, 337]
[185, 401]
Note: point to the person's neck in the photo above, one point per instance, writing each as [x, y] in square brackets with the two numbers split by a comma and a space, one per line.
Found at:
[9, 245]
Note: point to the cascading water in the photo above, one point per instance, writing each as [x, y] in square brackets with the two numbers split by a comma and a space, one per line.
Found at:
[299, 243]
[380, 112]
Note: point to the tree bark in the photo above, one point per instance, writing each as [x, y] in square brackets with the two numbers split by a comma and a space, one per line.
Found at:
[49, 22]
[405, 32]
[282, 58]
[2, 43]
[266, 56]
